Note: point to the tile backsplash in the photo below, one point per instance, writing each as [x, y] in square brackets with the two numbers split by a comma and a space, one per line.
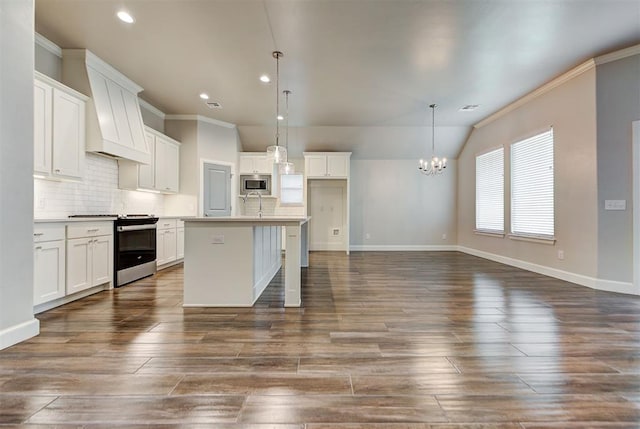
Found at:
[97, 193]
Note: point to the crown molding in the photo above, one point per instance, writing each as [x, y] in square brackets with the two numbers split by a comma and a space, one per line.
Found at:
[563, 78]
[151, 108]
[48, 45]
[199, 118]
[618, 55]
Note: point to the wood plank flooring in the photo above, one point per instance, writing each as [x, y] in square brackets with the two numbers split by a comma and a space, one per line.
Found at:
[416, 340]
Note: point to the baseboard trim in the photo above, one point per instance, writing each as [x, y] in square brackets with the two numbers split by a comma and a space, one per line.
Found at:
[18, 333]
[402, 248]
[579, 279]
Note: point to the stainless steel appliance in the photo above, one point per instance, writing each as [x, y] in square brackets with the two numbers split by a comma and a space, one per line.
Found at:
[260, 183]
[134, 246]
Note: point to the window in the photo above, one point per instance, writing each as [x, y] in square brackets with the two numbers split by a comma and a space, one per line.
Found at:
[490, 191]
[532, 208]
[291, 190]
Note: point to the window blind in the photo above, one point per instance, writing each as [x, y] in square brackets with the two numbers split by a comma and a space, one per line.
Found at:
[490, 191]
[532, 207]
[291, 189]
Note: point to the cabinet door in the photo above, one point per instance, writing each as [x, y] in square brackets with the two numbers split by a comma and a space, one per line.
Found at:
[42, 121]
[180, 243]
[170, 245]
[262, 165]
[146, 172]
[68, 134]
[317, 166]
[167, 169]
[246, 164]
[78, 264]
[160, 258]
[337, 165]
[101, 260]
[48, 271]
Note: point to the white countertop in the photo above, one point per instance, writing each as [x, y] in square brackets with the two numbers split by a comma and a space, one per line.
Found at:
[249, 219]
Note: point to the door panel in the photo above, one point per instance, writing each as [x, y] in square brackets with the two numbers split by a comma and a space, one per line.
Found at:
[217, 190]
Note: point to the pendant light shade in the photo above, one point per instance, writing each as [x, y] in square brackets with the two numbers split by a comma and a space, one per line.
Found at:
[286, 167]
[437, 164]
[277, 153]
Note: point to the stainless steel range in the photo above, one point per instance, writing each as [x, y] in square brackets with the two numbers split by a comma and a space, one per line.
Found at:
[134, 246]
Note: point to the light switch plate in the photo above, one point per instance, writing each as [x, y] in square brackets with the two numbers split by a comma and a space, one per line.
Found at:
[217, 239]
[615, 204]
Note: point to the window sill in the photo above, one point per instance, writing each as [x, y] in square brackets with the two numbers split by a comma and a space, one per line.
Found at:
[532, 239]
[489, 233]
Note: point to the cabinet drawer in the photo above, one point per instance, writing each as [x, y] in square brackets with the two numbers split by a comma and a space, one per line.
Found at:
[167, 223]
[47, 232]
[179, 223]
[89, 229]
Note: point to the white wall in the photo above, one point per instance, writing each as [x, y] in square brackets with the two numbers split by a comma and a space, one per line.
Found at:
[16, 166]
[571, 109]
[398, 206]
[618, 104]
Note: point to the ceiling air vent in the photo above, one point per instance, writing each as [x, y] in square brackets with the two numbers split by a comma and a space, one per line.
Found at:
[469, 107]
[214, 105]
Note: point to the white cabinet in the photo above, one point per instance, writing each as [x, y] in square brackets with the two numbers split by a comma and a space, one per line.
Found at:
[89, 255]
[162, 174]
[59, 129]
[327, 165]
[49, 263]
[167, 242]
[255, 163]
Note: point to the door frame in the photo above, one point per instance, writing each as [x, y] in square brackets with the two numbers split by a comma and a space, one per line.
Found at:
[234, 188]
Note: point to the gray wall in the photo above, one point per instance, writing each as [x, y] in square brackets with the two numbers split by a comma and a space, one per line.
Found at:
[16, 172]
[151, 119]
[571, 109]
[618, 105]
[48, 63]
[398, 206]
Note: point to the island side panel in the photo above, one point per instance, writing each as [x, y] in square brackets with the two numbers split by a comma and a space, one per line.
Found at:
[292, 295]
[218, 265]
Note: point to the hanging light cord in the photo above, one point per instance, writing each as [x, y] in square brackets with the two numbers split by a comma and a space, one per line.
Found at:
[277, 54]
[433, 129]
[286, 136]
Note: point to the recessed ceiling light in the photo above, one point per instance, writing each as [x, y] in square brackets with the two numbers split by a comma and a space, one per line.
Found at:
[264, 78]
[280, 117]
[204, 96]
[469, 108]
[125, 17]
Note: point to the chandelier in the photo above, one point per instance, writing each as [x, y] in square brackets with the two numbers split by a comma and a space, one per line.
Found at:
[276, 152]
[436, 165]
[286, 167]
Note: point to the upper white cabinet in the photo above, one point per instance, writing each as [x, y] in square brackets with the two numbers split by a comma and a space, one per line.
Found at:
[59, 129]
[255, 163]
[320, 165]
[114, 120]
[162, 174]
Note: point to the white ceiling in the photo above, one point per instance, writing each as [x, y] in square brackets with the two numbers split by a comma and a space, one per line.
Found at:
[351, 64]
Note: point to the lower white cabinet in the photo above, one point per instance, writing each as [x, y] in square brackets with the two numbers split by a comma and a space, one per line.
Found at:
[49, 263]
[170, 241]
[89, 258]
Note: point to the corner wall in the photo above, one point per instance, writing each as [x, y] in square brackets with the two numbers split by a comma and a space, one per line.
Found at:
[571, 109]
[16, 168]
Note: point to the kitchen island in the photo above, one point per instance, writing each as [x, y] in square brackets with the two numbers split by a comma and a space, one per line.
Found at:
[229, 261]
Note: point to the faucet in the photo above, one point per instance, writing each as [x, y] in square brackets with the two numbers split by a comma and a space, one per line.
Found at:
[244, 201]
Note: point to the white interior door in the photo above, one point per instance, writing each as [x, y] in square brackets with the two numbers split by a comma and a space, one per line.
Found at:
[216, 198]
[327, 208]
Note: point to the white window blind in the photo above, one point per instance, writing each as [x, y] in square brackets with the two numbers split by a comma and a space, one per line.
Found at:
[291, 189]
[532, 208]
[490, 191]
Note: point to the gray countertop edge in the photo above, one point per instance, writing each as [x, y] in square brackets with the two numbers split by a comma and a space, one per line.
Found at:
[73, 220]
[249, 219]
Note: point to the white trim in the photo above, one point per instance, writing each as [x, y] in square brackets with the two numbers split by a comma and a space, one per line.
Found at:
[488, 233]
[579, 279]
[635, 151]
[402, 248]
[533, 239]
[93, 61]
[199, 118]
[563, 78]
[61, 86]
[151, 108]
[48, 45]
[618, 55]
[18, 333]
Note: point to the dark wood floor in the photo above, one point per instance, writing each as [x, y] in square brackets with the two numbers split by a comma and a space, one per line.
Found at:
[384, 340]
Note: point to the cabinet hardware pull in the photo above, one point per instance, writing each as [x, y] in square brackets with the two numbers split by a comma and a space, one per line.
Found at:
[39, 248]
[57, 170]
[37, 234]
[93, 230]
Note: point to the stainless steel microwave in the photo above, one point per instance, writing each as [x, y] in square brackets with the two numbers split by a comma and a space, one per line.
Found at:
[260, 183]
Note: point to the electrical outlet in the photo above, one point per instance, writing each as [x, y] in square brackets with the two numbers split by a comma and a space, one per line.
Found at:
[561, 254]
[444, 236]
[336, 231]
[367, 236]
[217, 239]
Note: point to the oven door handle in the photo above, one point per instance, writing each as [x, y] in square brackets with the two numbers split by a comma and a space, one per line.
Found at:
[135, 227]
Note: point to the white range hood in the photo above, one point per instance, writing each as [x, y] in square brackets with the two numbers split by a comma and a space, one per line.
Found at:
[114, 121]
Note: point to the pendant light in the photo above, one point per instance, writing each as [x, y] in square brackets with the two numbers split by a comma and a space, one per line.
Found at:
[436, 165]
[286, 167]
[277, 153]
